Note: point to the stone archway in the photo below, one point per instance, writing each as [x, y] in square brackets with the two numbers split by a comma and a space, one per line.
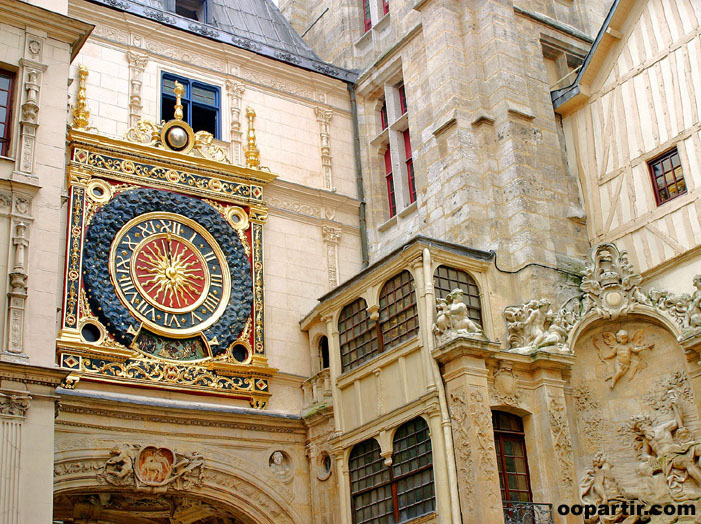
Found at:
[98, 484]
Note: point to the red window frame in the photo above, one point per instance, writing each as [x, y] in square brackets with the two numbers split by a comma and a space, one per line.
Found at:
[6, 90]
[409, 167]
[385, 7]
[366, 15]
[389, 178]
[509, 435]
[667, 176]
[402, 98]
[383, 116]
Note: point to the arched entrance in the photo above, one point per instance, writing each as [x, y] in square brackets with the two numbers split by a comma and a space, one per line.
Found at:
[130, 507]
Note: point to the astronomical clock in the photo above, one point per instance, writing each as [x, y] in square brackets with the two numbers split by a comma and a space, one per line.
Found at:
[164, 265]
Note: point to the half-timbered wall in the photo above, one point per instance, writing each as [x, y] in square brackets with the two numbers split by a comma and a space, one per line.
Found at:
[645, 100]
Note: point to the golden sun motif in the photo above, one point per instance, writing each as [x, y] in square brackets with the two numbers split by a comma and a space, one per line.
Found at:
[174, 275]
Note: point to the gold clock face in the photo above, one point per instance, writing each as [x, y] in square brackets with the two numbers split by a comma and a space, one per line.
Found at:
[170, 273]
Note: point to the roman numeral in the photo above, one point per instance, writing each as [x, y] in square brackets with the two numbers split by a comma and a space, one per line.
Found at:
[209, 256]
[173, 227]
[122, 264]
[145, 309]
[217, 280]
[194, 318]
[211, 302]
[126, 284]
[129, 242]
[147, 228]
[168, 320]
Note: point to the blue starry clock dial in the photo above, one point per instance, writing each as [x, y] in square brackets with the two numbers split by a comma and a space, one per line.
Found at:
[170, 273]
[167, 264]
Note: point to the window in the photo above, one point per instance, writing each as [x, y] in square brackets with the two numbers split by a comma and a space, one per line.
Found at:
[366, 15]
[512, 463]
[390, 184]
[445, 279]
[6, 83]
[402, 99]
[398, 313]
[194, 9]
[357, 335]
[385, 7]
[361, 338]
[396, 493]
[409, 167]
[200, 103]
[324, 352]
[667, 177]
[383, 116]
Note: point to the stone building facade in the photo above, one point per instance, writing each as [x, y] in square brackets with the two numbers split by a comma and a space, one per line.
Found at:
[432, 261]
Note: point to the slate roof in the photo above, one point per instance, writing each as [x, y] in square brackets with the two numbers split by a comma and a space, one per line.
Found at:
[255, 25]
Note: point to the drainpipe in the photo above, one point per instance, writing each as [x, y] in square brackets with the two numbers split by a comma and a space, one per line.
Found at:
[359, 178]
[442, 400]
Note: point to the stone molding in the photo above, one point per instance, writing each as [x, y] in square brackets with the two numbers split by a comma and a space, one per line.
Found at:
[14, 404]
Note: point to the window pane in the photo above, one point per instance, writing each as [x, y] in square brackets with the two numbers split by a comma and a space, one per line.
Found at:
[357, 335]
[203, 95]
[204, 119]
[446, 279]
[4, 95]
[4, 82]
[398, 312]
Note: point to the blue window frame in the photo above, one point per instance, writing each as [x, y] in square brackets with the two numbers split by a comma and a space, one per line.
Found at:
[200, 103]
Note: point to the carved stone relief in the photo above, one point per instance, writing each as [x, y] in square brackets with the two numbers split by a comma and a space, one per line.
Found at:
[332, 237]
[590, 422]
[462, 442]
[14, 404]
[137, 65]
[152, 467]
[562, 442]
[622, 353]
[32, 73]
[280, 465]
[506, 389]
[480, 417]
[324, 116]
[452, 318]
[533, 326]
[235, 91]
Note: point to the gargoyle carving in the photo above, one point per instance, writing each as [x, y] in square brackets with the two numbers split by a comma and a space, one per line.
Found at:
[452, 317]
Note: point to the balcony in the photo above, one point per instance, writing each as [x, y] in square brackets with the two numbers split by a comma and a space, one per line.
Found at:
[317, 392]
[527, 513]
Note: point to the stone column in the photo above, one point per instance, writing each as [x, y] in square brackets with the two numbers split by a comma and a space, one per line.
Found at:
[137, 64]
[332, 236]
[18, 292]
[235, 91]
[13, 407]
[473, 435]
[324, 116]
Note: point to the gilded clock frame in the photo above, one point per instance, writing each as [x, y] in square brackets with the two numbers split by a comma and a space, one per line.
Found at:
[113, 165]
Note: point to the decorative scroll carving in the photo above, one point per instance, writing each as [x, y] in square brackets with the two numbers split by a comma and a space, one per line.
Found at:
[152, 467]
[481, 420]
[452, 318]
[623, 353]
[506, 390]
[609, 283]
[137, 65]
[590, 423]
[562, 442]
[81, 114]
[324, 116]
[463, 445]
[533, 326]
[235, 91]
[14, 405]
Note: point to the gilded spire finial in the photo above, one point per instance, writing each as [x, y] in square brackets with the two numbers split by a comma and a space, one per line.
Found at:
[80, 111]
[252, 153]
[179, 91]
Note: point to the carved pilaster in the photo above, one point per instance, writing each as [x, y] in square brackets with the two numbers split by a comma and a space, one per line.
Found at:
[13, 407]
[332, 236]
[562, 446]
[137, 64]
[324, 116]
[235, 91]
[32, 72]
[18, 291]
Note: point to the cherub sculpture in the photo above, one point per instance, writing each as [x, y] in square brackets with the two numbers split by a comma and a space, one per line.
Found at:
[624, 351]
[693, 312]
[452, 316]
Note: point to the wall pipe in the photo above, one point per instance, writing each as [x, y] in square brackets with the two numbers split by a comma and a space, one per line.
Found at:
[359, 178]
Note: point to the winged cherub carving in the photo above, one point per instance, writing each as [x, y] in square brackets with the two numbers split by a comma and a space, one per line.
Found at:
[624, 351]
